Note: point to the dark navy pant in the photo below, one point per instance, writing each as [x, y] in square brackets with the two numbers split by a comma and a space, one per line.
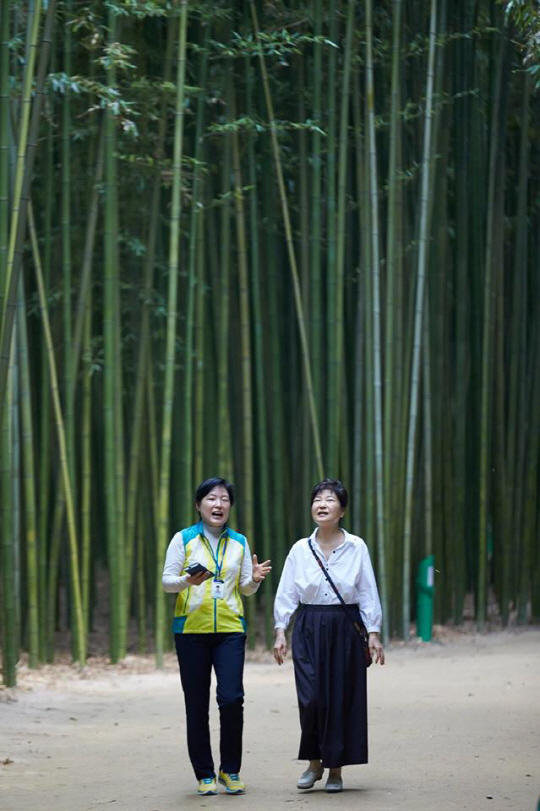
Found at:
[330, 674]
[197, 654]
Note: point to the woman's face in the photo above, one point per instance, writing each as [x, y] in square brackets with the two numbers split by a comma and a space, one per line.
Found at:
[326, 509]
[215, 507]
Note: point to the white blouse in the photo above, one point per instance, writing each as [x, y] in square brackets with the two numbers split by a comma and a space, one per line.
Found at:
[349, 566]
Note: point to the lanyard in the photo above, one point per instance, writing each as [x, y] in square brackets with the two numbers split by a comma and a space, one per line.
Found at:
[215, 557]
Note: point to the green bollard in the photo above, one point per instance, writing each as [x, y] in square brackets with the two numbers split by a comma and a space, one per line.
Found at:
[424, 598]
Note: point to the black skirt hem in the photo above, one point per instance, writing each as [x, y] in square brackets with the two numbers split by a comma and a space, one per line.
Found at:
[330, 675]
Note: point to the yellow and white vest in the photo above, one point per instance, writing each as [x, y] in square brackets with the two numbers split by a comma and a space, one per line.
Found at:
[196, 611]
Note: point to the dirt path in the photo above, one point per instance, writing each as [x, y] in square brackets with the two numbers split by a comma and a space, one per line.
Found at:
[453, 726]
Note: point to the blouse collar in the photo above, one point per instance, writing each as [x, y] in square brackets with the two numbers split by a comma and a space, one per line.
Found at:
[346, 539]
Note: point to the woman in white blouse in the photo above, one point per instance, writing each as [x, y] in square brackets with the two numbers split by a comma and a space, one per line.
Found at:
[328, 654]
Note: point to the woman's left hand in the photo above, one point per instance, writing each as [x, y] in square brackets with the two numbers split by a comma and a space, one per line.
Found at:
[260, 570]
[376, 649]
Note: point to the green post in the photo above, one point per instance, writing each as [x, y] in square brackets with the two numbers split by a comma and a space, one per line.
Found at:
[424, 598]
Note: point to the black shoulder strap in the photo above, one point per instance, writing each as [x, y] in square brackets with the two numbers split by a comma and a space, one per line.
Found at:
[325, 573]
[357, 625]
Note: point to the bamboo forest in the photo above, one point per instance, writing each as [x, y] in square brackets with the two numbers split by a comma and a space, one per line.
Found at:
[272, 242]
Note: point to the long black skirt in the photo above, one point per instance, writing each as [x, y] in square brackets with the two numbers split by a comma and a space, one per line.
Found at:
[330, 674]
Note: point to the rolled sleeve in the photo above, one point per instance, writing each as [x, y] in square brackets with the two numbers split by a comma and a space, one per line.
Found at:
[247, 585]
[368, 596]
[287, 599]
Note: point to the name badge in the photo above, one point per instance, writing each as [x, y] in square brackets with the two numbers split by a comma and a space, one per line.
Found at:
[217, 589]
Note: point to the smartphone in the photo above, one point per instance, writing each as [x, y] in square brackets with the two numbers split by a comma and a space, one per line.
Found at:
[196, 568]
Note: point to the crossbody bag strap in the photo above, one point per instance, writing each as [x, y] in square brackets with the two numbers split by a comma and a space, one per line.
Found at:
[357, 625]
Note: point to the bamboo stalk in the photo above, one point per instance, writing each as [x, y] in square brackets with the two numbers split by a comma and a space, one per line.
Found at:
[79, 629]
[111, 450]
[362, 332]
[200, 413]
[224, 419]
[44, 474]
[141, 584]
[194, 326]
[463, 332]
[332, 413]
[168, 395]
[418, 322]
[30, 522]
[262, 527]
[518, 416]
[375, 270]
[66, 226]
[16, 508]
[4, 145]
[10, 652]
[305, 474]
[316, 320]
[246, 363]
[487, 355]
[393, 259]
[336, 359]
[370, 476]
[86, 468]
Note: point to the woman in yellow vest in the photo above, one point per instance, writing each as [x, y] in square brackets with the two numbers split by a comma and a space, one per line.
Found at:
[210, 566]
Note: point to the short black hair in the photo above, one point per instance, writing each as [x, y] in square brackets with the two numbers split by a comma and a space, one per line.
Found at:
[208, 484]
[335, 486]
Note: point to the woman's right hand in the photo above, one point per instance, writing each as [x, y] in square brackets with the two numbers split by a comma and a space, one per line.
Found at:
[280, 646]
[198, 579]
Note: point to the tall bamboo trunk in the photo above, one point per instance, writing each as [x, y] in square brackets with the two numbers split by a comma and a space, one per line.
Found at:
[332, 414]
[80, 646]
[112, 377]
[261, 527]
[4, 143]
[376, 314]
[168, 393]
[9, 649]
[246, 364]
[392, 311]
[194, 316]
[7, 547]
[487, 351]
[418, 322]
[223, 314]
[336, 349]
[316, 317]
[66, 226]
[30, 512]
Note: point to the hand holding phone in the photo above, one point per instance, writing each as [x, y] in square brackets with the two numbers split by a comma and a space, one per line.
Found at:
[198, 574]
[196, 568]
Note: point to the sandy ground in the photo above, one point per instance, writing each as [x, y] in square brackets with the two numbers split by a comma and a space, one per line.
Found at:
[452, 726]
